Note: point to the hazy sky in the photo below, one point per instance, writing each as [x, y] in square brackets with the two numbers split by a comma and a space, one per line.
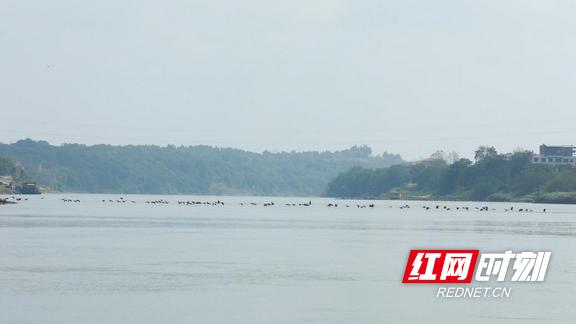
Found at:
[402, 76]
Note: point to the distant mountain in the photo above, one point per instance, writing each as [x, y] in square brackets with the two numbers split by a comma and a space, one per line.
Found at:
[186, 169]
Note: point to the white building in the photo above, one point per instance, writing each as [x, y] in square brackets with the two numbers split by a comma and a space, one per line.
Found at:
[555, 155]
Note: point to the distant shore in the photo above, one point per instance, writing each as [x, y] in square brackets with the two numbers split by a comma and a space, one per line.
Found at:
[567, 198]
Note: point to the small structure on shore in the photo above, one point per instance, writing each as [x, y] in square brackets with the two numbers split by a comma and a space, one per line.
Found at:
[6, 184]
[28, 188]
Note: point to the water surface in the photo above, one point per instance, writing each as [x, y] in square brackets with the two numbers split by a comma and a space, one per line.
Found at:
[133, 262]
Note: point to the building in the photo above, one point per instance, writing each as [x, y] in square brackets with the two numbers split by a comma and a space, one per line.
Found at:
[28, 188]
[6, 180]
[6, 185]
[555, 155]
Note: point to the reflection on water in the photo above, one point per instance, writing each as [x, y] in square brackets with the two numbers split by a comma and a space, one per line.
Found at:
[539, 228]
[108, 262]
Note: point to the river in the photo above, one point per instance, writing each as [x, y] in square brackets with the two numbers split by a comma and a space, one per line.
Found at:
[136, 262]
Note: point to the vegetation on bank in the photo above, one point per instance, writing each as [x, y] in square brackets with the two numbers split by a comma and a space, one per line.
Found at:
[186, 169]
[7, 167]
[13, 179]
[492, 177]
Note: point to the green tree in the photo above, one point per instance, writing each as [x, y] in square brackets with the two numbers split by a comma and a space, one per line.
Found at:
[484, 152]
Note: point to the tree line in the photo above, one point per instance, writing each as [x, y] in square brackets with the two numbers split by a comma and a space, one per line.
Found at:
[150, 169]
[491, 177]
[7, 167]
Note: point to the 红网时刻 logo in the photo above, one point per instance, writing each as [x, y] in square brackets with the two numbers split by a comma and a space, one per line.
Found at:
[465, 266]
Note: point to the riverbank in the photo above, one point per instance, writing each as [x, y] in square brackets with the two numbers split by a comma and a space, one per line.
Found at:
[536, 198]
[6, 202]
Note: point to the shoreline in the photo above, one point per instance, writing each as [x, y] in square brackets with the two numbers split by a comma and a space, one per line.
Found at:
[6, 202]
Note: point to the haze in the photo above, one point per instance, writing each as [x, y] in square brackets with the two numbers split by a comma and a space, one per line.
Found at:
[407, 77]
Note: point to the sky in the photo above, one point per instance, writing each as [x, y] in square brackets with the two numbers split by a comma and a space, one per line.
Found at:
[407, 77]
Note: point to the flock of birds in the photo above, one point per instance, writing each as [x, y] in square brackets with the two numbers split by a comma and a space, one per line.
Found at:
[308, 204]
[483, 208]
[221, 203]
[122, 200]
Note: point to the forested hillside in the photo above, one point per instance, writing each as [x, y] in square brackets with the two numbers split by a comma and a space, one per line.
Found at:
[6, 167]
[185, 170]
[493, 177]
